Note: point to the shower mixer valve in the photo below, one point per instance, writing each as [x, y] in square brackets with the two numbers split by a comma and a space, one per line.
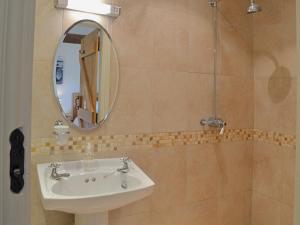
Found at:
[214, 122]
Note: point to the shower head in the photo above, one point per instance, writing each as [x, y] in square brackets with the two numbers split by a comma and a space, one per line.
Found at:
[253, 8]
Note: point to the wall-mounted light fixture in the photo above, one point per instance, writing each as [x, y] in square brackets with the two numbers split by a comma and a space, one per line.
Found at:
[90, 6]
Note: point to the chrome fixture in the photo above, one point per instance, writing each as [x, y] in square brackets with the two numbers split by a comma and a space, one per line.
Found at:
[61, 132]
[54, 174]
[125, 167]
[214, 122]
[124, 170]
[58, 123]
[60, 128]
[254, 7]
[89, 6]
[213, 3]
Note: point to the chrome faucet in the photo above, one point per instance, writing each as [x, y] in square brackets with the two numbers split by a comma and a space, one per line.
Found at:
[54, 174]
[214, 122]
[125, 167]
[124, 170]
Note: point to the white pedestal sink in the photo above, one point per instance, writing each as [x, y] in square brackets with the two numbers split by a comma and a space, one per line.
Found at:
[91, 194]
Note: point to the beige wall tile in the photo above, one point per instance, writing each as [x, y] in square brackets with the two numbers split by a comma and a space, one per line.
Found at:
[200, 43]
[171, 48]
[200, 31]
[203, 212]
[202, 173]
[234, 163]
[142, 206]
[274, 65]
[273, 172]
[275, 104]
[178, 102]
[232, 60]
[234, 12]
[235, 209]
[235, 92]
[264, 210]
[269, 211]
[48, 29]
[45, 110]
[132, 111]
[170, 108]
[274, 45]
[134, 38]
[288, 177]
[171, 216]
[264, 151]
[286, 215]
[171, 35]
[267, 176]
[199, 98]
[138, 219]
[168, 171]
[275, 36]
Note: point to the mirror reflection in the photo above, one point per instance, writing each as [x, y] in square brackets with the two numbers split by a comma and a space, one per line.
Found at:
[86, 74]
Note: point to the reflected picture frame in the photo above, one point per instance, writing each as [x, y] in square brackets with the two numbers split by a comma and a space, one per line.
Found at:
[59, 71]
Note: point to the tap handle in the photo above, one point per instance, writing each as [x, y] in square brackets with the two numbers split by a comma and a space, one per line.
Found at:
[54, 165]
[125, 159]
[58, 123]
[203, 122]
[222, 128]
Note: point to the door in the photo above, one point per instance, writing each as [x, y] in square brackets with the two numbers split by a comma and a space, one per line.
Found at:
[88, 76]
[16, 56]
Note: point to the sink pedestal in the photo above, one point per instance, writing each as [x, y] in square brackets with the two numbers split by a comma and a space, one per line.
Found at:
[92, 219]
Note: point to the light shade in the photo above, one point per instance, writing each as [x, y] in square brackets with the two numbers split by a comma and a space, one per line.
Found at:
[90, 6]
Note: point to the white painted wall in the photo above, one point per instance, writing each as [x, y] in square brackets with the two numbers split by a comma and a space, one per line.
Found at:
[71, 81]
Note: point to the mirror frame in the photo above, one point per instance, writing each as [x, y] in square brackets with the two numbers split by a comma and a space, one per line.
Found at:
[100, 124]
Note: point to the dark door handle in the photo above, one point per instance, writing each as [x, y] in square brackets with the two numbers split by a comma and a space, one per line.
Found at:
[16, 171]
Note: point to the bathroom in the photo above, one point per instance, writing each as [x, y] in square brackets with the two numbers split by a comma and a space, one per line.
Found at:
[204, 102]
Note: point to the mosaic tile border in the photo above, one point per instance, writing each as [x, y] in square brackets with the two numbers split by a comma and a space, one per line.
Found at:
[276, 138]
[157, 140]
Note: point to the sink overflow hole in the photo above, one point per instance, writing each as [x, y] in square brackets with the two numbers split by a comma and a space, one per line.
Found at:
[88, 179]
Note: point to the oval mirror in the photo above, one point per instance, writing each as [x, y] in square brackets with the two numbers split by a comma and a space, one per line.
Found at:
[86, 74]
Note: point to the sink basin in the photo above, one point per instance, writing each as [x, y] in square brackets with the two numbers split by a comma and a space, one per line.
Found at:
[93, 188]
